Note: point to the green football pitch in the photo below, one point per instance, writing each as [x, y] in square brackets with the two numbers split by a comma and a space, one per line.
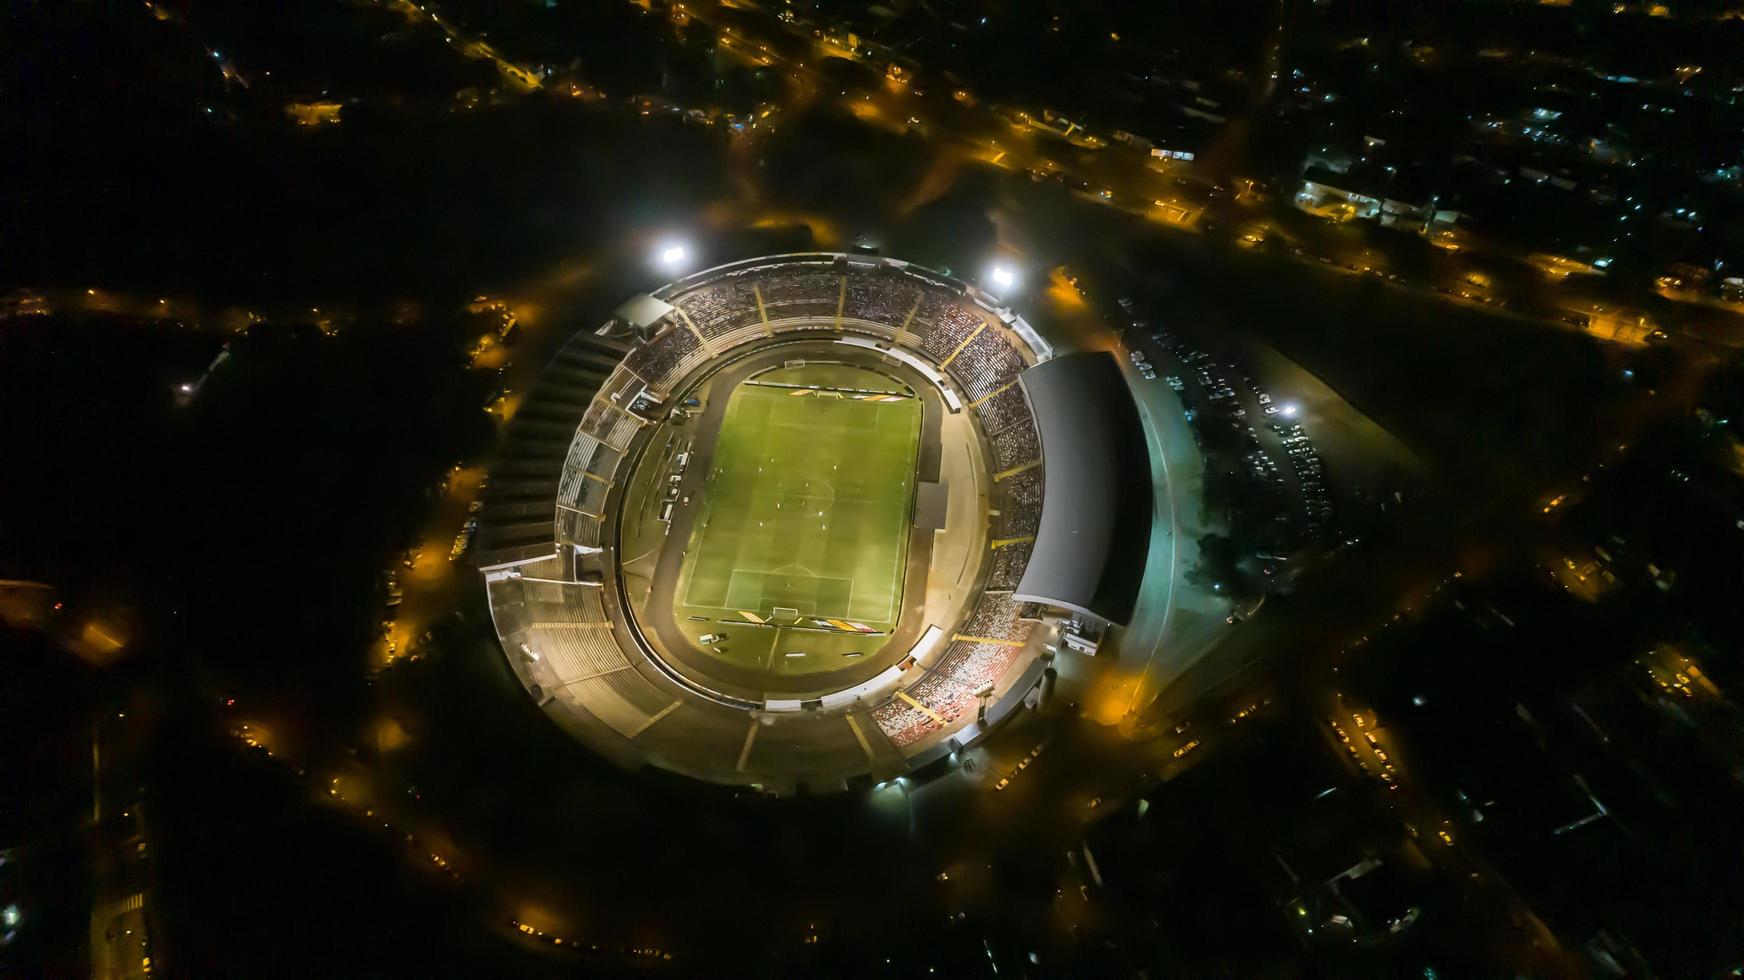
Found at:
[808, 499]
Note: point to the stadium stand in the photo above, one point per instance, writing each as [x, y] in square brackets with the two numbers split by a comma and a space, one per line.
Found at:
[942, 691]
[903, 723]
[987, 364]
[655, 359]
[581, 454]
[1021, 508]
[952, 325]
[931, 304]
[1008, 565]
[976, 665]
[608, 424]
[1014, 446]
[995, 617]
[518, 519]
[952, 687]
[579, 528]
[574, 651]
[719, 308]
[795, 294]
[880, 298]
[1004, 410]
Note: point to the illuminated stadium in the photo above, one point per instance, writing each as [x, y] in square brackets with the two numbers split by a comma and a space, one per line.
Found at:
[809, 519]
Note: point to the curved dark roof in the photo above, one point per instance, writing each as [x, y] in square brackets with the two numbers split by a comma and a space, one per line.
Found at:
[1095, 526]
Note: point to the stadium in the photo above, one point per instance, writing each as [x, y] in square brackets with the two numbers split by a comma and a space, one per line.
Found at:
[804, 521]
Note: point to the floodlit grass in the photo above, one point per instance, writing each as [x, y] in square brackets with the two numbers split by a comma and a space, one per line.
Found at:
[807, 504]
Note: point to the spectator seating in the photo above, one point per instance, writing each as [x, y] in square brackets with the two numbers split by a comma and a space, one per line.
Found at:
[801, 294]
[903, 723]
[995, 617]
[951, 325]
[655, 359]
[720, 308]
[1004, 410]
[1014, 446]
[882, 299]
[987, 364]
[1022, 509]
[1008, 565]
[951, 688]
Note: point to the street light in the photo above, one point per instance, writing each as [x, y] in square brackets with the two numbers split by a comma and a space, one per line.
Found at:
[1290, 410]
[1002, 276]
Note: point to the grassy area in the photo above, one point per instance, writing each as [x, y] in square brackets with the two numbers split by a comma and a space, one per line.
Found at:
[807, 508]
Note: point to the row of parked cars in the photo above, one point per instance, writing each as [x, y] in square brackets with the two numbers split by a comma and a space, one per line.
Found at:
[1310, 474]
[1221, 384]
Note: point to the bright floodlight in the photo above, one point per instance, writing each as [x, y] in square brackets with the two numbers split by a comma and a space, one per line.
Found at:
[1290, 410]
[672, 256]
[1003, 276]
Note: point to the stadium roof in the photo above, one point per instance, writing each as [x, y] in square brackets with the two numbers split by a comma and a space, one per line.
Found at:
[642, 311]
[1096, 506]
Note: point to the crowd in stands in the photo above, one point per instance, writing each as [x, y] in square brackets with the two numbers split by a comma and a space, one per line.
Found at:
[951, 326]
[884, 299]
[720, 306]
[995, 616]
[1023, 504]
[804, 293]
[951, 688]
[1014, 446]
[987, 364]
[931, 303]
[902, 722]
[1004, 410]
[942, 690]
[731, 303]
[655, 359]
[1008, 565]
[975, 665]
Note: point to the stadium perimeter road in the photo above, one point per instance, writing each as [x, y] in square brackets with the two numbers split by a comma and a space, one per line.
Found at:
[658, 608]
